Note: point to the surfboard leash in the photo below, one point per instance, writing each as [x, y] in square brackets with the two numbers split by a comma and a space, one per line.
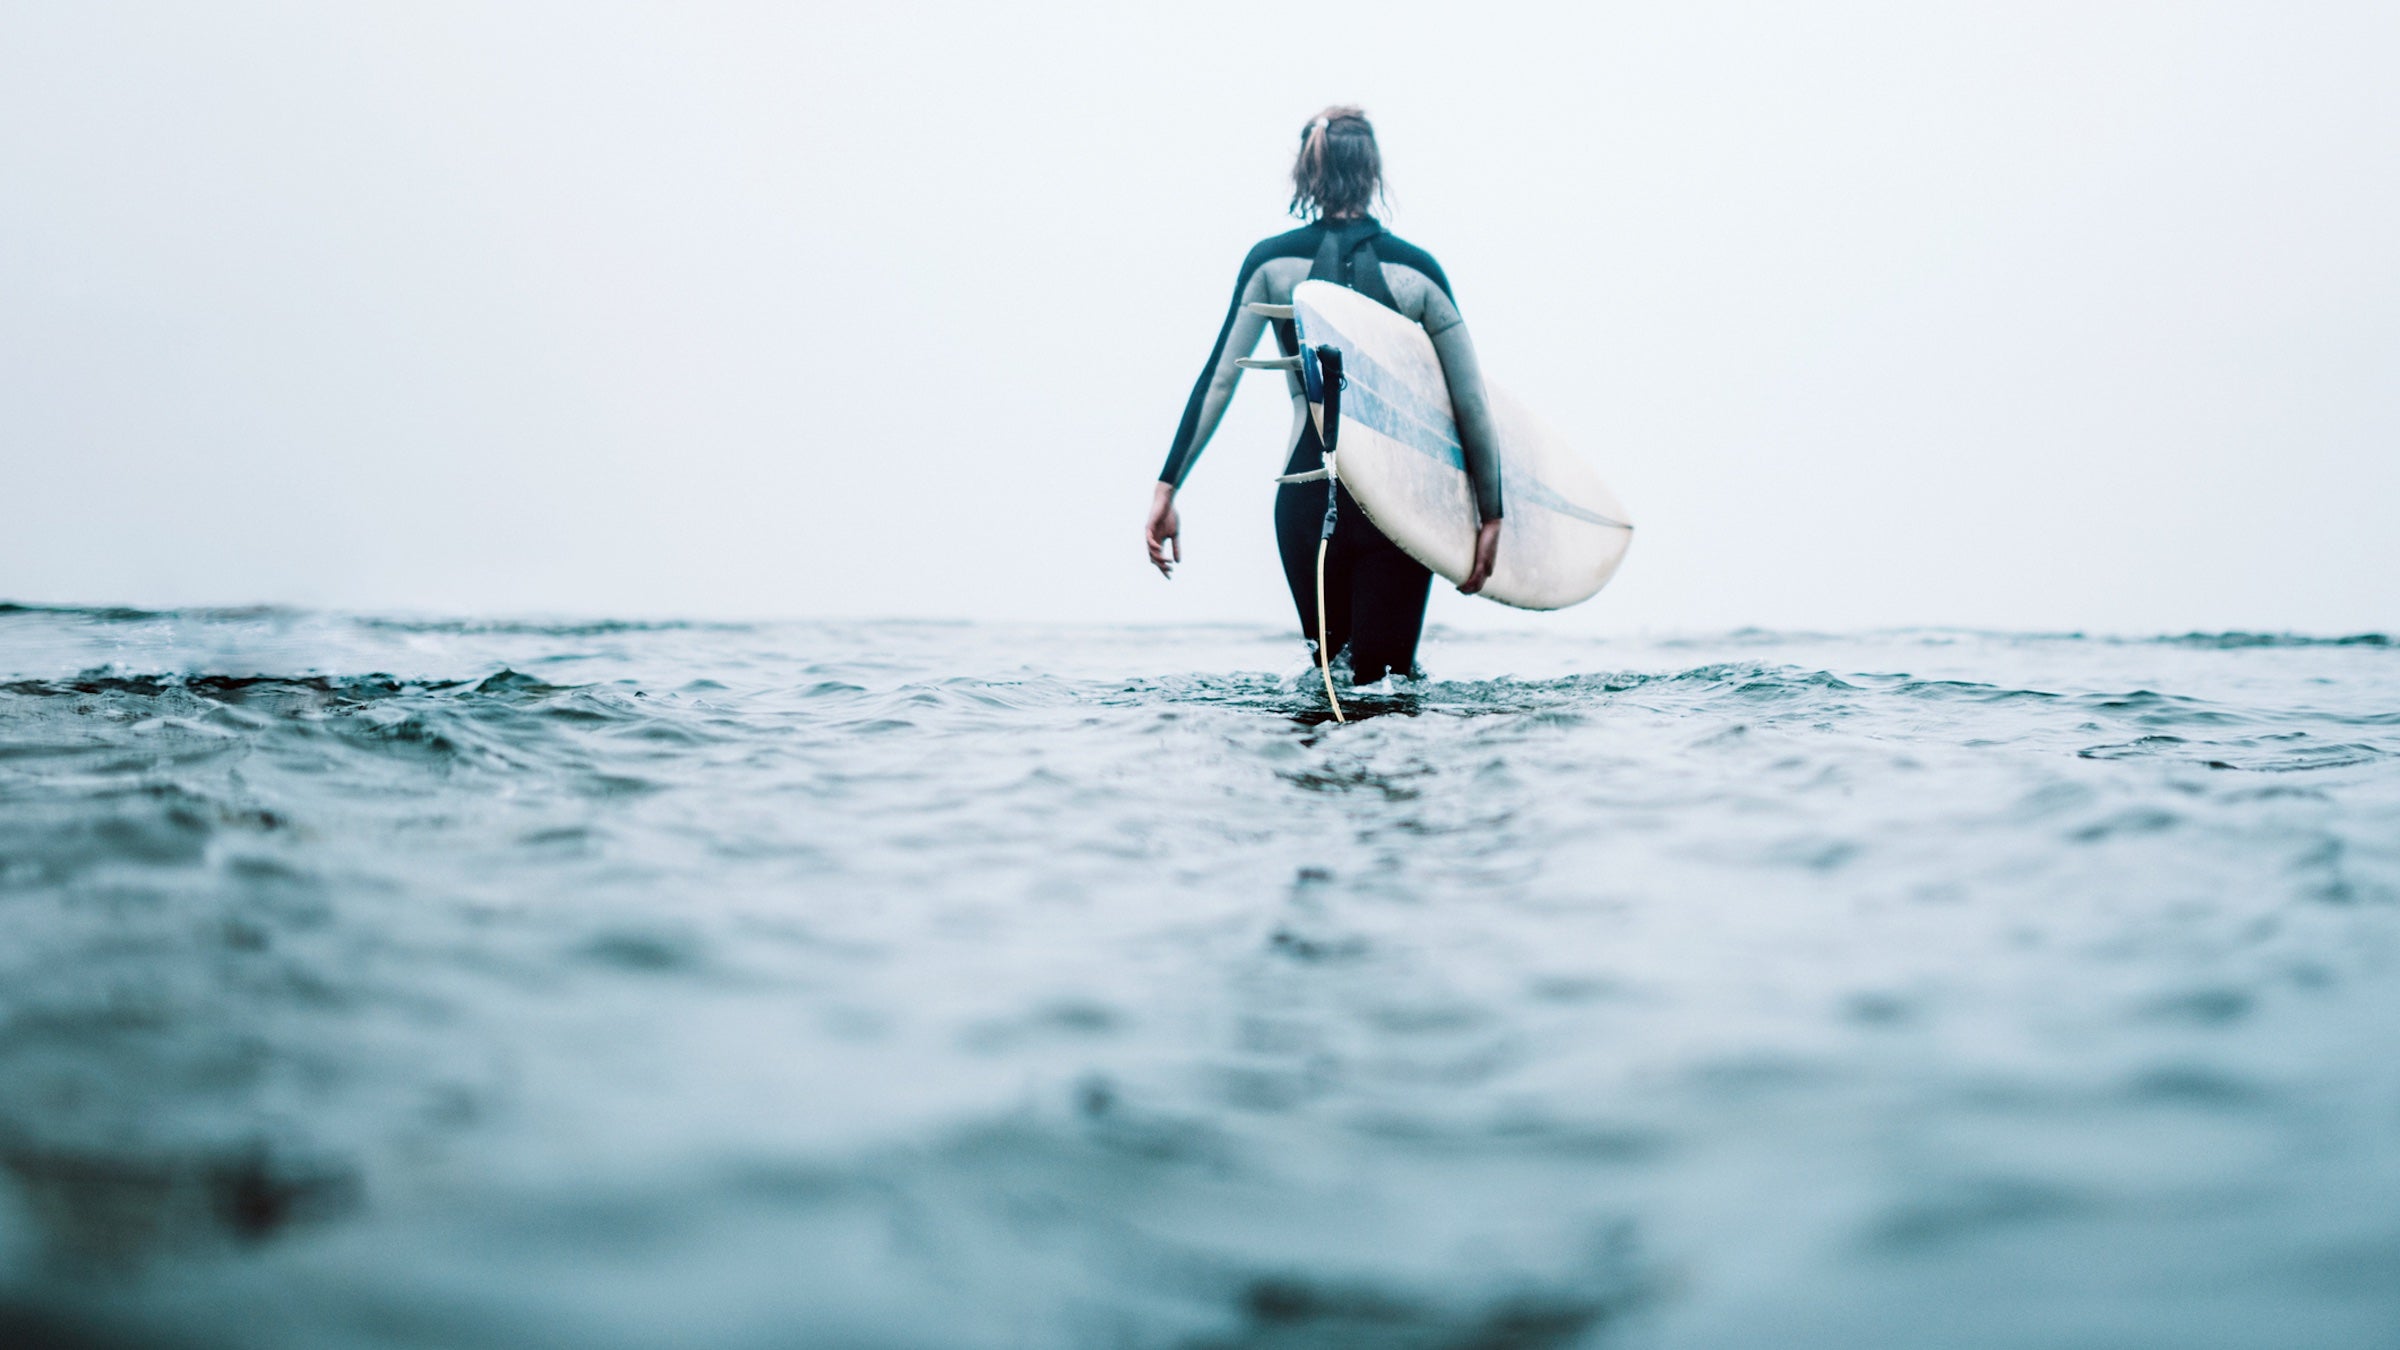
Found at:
[1324, 662]
[1329, 430]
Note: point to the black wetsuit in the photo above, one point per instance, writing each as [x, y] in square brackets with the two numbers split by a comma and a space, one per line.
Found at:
[1374, 593]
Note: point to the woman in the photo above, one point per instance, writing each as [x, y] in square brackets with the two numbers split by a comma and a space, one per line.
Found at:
[1374, 593]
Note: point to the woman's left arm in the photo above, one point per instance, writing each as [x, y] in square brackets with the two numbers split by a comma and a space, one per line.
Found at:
[1471, 409]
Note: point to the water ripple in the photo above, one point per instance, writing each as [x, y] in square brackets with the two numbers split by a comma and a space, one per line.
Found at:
[491, 983]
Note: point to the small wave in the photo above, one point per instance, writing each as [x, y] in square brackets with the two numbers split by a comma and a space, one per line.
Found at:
[505, 725]
[562, 628]
[1748, 637]
[2236, 640]
[241, 689]
[2231, 639]
[2150, 708]
[1969, 691]
[426, 626]
[2255, 754]
[127, 614]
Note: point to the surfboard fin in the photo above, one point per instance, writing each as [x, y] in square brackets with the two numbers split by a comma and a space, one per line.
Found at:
[1261, 307]
[1267, 362]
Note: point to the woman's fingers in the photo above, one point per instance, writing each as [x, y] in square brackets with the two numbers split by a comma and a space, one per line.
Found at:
[1487, 552]
[1163, 531]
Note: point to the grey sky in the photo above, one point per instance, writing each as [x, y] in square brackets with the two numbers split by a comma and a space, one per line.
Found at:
[2035, 316]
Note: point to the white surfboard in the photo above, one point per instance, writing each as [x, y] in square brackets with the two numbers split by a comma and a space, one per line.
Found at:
[1562, 531]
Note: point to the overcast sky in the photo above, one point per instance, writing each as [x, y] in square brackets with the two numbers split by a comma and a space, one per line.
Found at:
[2070, 316]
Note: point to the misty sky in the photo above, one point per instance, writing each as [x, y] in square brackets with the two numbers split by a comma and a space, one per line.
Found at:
[2044, 316]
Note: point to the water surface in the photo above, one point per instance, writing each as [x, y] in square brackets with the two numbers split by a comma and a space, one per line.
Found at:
[375, 982]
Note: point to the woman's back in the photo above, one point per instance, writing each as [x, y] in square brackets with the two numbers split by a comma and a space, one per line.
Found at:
[1358, 253]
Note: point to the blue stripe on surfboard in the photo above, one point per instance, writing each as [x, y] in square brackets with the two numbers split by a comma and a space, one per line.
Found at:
[1381, 401]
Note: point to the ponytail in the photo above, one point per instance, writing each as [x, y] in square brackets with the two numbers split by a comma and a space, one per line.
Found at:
[1339, 171]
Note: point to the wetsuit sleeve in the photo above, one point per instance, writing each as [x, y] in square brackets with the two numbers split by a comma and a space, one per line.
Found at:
[1214, 391]
[1470, 405]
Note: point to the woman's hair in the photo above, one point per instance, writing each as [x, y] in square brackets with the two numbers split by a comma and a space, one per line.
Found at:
[1339, 170]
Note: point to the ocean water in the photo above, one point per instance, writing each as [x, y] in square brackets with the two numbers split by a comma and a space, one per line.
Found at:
[375, 982]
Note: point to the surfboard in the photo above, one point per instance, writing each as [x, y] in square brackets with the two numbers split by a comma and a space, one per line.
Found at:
[1562, 532]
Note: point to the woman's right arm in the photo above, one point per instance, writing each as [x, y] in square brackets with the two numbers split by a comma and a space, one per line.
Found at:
[1236, 338]
[1211, 394]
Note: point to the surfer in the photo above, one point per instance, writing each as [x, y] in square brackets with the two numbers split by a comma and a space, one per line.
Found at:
[1374, 593]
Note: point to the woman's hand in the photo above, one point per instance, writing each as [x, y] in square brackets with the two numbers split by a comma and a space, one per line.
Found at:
[1487, 552]
[1164, 531]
